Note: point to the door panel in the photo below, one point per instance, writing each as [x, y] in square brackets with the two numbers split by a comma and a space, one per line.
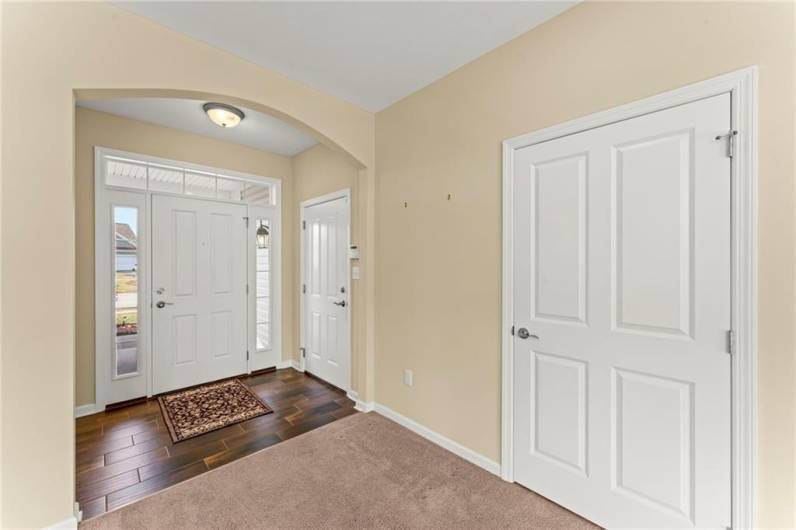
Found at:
[622, 270]
[199, 274]
[558, 239]
[559, 411]
[327, 302]
[652, 234]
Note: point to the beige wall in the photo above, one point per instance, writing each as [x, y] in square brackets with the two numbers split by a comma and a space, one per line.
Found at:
[99, 129]
[439, 261]
[318, 171]
[50, 52]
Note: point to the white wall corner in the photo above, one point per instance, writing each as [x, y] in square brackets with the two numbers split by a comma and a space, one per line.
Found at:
[87, 410]
[443, 441]
[70, 523]
[285, 363]
[289, 363]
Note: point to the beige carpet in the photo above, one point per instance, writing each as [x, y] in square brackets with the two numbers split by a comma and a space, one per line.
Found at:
[363, 471]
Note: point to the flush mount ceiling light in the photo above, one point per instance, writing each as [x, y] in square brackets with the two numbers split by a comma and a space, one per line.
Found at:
[223, 115]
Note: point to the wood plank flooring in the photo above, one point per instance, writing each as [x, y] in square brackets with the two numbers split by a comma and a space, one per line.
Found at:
[127, 453]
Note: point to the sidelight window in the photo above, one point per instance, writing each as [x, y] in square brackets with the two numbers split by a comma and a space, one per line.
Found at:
[126, 291]
[263, 283]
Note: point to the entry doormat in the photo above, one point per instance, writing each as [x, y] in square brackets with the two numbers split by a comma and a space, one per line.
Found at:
[195, 411]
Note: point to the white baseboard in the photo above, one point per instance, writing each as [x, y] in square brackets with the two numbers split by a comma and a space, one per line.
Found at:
[289, 363]
[70, 523]
[361, 406]
[87, 410]
[364, 406]
[444, 442]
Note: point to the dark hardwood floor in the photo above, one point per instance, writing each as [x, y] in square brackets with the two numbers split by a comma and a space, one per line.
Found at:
[126, 454]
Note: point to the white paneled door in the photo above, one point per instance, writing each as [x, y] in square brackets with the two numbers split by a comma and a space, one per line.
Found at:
[198, 291]
[622, 308]
[326, 319]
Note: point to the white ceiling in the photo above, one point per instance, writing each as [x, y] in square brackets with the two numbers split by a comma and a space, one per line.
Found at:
[256, 130]
[369, 53]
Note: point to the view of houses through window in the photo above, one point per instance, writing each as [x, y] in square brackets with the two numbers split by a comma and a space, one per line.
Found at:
[125, 219]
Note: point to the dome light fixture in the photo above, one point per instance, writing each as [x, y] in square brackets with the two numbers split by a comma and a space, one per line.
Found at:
[223, 115]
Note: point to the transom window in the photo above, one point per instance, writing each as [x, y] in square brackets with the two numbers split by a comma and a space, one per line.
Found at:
[133, 174]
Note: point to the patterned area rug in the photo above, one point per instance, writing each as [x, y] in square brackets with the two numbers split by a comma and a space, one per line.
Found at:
[205, 408]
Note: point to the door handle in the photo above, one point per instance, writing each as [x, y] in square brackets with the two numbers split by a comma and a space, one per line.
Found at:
[523, 333]
[161, 304]
[340, 303]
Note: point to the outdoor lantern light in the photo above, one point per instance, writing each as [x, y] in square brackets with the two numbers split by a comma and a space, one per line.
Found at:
[223, 115]
[263, 236]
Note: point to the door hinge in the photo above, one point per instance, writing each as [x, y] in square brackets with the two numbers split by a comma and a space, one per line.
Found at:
[247, 355]
[246, 220]
[731, 342]
[303, 352]
[303, 225]
[303, 288]
[247, 288]
[512, 330]
[730, 136]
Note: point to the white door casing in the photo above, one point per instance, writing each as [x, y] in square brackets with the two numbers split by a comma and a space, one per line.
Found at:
[326, 289]
[199, 273]
[740, 88]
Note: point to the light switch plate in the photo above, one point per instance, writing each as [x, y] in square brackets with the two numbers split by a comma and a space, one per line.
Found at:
[408, 377]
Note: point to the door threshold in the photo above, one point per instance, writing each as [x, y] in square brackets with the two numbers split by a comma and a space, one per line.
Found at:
[126, 403]
[324, 381]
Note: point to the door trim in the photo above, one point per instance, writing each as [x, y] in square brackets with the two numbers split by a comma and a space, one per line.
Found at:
[742, 87]
[340, 194]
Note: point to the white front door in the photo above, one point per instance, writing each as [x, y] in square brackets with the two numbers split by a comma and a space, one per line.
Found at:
[327, 299]
[622, 308]
[198, 291]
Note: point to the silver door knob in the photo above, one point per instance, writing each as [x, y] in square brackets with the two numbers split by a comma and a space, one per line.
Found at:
[162, 304]
[340, 303]
[523, 333]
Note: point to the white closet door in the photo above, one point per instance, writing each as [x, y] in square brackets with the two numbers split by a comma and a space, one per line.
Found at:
[622, 282]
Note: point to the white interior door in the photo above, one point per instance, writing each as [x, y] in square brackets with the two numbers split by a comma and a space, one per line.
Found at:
[198, 291]
[622, 281]
[327, 300]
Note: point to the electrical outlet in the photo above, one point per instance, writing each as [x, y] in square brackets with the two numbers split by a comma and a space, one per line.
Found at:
[408, 377]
